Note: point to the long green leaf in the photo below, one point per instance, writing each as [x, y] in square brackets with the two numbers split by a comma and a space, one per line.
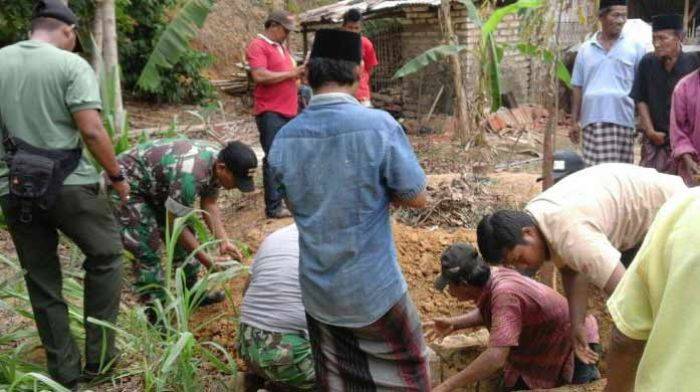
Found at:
[473, 12]
[494, 71]
[492, 22]
[174, 41]
[428, 57]
[183, 344]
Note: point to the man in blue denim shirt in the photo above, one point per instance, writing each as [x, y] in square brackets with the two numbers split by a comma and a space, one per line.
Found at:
[340, 166]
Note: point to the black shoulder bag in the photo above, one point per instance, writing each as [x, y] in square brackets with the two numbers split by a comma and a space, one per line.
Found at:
[36, 174]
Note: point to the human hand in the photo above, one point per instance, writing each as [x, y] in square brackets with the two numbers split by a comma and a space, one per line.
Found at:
[227, 248]
[123, 189]
[438, 328]
[575, 133]
[581, 349]
[299, 71]
[658, 138]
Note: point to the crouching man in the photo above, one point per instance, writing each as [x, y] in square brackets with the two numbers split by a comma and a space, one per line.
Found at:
[590, 225]
[167, 177]
[528, 324]
[273, 338]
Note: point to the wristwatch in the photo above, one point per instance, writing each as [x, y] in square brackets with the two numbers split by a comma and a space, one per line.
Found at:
[118, 178]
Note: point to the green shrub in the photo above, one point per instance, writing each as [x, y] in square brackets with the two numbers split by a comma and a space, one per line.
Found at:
[138, 25]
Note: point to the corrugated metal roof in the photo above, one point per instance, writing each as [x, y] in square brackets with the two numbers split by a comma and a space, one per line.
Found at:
[333, 13]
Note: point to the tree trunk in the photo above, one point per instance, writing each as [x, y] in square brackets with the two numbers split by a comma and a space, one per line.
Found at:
[111, 58]
[460, 104]
[98, 37]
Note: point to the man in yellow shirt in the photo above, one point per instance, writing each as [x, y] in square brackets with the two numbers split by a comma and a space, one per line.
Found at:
[655, 339]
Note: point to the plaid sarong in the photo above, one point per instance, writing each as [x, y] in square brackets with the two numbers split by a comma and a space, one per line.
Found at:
[389, 354]
[605, 142]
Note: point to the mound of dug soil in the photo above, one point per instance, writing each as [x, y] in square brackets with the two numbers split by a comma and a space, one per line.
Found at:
[419, 255]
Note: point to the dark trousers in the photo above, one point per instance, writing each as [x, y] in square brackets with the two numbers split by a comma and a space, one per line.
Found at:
[84, 216]
[269, 123]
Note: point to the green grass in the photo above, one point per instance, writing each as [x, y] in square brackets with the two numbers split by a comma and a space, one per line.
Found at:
[165, 358]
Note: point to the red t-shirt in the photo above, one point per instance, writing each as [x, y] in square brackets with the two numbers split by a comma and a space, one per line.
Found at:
[280, 97]
[369, 61]
[533, 320]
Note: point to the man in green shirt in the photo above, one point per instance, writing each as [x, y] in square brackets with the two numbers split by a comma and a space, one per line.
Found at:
[49, 98]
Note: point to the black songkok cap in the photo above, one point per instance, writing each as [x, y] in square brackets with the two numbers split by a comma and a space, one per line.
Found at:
[54, 9]
[667, 22]
[609, 3]
[337, 45]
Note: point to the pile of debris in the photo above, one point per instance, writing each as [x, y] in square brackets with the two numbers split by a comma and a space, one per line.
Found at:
[523, 117]
[461, 202]
[390, 100]
[239, 84]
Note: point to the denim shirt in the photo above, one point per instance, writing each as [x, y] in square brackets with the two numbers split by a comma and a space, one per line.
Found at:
[338, 165]
[606, 79]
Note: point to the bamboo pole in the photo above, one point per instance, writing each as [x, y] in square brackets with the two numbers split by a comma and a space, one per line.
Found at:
[686, 14]
[460, 110]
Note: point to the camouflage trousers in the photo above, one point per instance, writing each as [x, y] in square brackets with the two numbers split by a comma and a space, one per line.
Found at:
[282, 358]
[143, 233]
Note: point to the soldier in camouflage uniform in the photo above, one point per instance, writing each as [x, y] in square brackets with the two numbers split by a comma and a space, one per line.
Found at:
[166, 178]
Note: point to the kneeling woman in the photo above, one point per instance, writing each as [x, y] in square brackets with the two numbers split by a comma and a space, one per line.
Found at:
[529, 327]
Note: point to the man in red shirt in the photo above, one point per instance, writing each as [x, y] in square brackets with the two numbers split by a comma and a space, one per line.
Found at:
[352, 21]
[276, 77]
[528, 324]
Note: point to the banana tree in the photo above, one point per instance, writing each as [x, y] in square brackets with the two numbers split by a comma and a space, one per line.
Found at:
[490, 51]
[174, 41]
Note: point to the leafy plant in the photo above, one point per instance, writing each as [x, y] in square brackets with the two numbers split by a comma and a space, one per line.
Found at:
[174, 42]
[490, 52]
[166, 356]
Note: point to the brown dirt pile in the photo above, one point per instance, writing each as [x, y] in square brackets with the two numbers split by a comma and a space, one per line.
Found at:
[419, 255]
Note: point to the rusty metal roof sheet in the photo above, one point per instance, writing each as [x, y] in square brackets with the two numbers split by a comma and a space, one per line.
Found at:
[333, 13]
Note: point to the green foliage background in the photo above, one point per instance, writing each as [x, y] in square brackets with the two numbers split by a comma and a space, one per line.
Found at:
[139, 23]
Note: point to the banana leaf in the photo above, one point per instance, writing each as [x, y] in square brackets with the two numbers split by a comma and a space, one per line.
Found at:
[428, 57]
[492, 22]
[174, 41]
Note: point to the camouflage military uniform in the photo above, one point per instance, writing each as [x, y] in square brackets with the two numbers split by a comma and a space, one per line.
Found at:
[164, 175]
[283, 358]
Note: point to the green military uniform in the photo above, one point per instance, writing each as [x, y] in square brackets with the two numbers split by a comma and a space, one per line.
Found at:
[165, 176]
[285, 357]
[41, 87]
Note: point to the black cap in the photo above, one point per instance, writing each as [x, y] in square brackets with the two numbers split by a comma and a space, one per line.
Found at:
[283, 18]
[565, 163]
[609, 3]
[54, 9]
[337, 45]
[241, 160]
[352, 15]
[667, 22]
[457, 262]
[57, 10]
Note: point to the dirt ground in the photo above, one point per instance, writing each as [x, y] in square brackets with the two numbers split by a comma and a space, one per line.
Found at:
[419, 249]
[458, 199]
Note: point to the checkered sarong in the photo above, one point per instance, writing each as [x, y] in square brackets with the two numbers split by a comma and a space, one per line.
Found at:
[606, 142]
[386, 355]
